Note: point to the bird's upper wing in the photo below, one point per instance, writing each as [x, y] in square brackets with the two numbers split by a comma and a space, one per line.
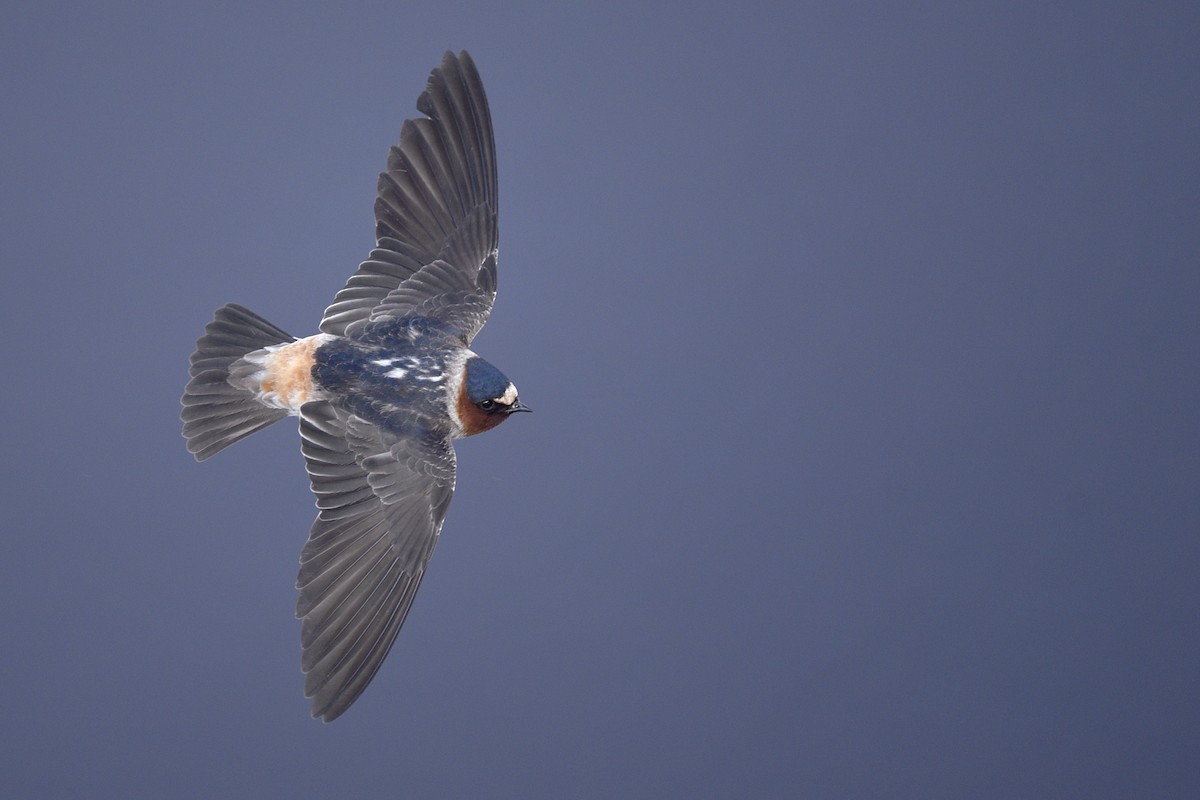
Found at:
[382, 500]
[437, 204]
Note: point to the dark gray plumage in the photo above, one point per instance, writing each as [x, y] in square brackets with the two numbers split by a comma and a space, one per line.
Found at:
[216, 414]
[382, 391]
[383, 501]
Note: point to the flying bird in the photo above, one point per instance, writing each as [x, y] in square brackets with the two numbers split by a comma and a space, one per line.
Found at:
[382, 391]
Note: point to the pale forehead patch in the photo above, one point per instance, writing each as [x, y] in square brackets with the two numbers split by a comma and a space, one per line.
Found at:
[509, 397]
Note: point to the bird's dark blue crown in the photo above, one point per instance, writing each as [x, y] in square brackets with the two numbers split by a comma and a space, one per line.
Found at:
[483, 381]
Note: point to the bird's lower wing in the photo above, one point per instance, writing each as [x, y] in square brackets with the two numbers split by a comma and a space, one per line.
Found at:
[381, 509]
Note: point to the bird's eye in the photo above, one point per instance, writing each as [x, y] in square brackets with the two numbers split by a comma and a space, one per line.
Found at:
[487, 405]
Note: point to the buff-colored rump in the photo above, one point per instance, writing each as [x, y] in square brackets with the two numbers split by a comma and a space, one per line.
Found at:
[287, 379]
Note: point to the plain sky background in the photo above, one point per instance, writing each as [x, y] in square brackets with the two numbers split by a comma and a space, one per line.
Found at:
[864, 345]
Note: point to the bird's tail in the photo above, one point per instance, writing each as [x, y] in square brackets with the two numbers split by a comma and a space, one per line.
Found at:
[215, 413]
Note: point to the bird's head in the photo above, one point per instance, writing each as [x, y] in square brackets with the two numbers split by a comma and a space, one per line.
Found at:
[485, 397]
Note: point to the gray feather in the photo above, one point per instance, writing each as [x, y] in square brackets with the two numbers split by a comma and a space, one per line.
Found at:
[215, 413]
[437, 201]
[382, 503]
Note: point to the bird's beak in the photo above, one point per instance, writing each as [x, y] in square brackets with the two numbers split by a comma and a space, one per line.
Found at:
[518, 407]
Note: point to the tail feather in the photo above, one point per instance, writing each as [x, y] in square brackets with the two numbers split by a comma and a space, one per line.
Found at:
[215, 413]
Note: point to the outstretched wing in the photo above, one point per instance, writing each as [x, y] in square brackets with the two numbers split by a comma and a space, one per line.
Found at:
[437, 204]
[382, 501]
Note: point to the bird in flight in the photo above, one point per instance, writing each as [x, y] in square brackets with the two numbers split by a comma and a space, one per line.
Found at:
[382, 391]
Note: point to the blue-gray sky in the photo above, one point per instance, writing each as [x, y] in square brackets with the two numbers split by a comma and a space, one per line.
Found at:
[863, 344]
